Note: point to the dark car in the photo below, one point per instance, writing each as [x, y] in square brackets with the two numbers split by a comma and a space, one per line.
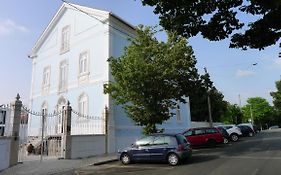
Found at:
[171, 148]
[203, 136]
[246, 130]
[225, 135]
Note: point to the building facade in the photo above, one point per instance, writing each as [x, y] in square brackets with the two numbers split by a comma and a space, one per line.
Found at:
[69, 63]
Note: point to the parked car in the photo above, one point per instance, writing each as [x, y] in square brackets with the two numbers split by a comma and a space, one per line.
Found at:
[171, 148]
[233, 131]
[257, 129]
[226, 136]
[246, 130]
[204, 136]
[247, 124]
[274, 127]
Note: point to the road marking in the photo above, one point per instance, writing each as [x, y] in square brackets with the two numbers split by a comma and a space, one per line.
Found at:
[251, 157]
[241, 157]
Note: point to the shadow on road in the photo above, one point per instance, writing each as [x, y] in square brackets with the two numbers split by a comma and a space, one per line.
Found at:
[201, 159]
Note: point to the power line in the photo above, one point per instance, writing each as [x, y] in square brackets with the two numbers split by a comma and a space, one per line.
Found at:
[92, 16]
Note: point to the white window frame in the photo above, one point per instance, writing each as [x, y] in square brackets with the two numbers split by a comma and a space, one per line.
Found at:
[65, 39]
[83, 67]
[46, 79]
[83, 104]
[178, 112]
[63, 76]
[84, 63]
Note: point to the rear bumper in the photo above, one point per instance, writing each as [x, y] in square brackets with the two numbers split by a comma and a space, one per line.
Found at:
[185, 154]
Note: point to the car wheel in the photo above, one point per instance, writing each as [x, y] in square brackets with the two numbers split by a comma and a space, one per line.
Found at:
[234, 137]
[125, 159]
[211, 143]
[173, 159]
[251, 134]
[225, 141]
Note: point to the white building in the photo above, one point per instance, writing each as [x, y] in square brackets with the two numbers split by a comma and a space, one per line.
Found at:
[69, 63]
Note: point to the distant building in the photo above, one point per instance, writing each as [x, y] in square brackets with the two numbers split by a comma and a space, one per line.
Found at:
[69, 63]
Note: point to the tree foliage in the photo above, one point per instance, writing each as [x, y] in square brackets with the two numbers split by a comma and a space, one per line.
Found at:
[261, 110]
[233, 114]
[277, 97]
[198, 101]
[221, 19]
[151, 76]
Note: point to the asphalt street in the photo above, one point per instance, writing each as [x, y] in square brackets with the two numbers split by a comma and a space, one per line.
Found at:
[258, 155]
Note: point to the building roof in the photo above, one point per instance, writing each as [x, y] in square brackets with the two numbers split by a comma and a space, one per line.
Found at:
[84, 9]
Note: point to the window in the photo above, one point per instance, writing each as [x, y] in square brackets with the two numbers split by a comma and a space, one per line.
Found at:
[46, 76]
[211, 131]
[83, 63]
[46, 79]
[159, 140]
[63, 74]
[83, 74]
[65, 37]
[188, 133]
[199, 132]
[146, 141]
[83, 104]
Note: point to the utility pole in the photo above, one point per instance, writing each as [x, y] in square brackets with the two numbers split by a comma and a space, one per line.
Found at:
[252, 119]
[239, 100]
[209, 101]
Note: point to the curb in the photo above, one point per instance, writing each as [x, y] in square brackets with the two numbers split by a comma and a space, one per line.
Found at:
[104, 162]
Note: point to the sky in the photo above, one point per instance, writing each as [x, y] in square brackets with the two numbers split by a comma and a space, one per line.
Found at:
[231, 70]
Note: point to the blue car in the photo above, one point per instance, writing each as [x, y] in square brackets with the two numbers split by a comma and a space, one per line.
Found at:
[171, 148]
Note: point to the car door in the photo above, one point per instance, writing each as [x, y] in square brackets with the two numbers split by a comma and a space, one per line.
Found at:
[158, 149]
[199, 137]
[140, 150]
[195, 137]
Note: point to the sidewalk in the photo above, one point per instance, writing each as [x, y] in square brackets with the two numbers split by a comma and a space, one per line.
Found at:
[55, 166]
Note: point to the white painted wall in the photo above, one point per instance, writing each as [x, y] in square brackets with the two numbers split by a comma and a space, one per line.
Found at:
[87, 145]
[4, 152]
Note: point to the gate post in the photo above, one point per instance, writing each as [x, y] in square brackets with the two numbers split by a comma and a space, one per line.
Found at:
[67, 132]
[14, 147]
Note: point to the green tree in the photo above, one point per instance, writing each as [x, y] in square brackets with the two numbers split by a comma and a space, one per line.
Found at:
[151, 76]
[198, 101]
[217, 19]
[261, 110]
[233, 114]
[277, 97]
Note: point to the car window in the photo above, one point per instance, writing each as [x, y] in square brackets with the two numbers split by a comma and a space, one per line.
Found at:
[211, 131]
[169, 140]
[228, 127]
[199, 132]
[159, 140]
[188, 133]
[145, 141]
[181, 139]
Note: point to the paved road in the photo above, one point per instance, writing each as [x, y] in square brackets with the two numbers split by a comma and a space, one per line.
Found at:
[258, 155]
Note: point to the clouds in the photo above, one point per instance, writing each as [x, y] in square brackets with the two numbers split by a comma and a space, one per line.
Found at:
[244, 73]
[8, 27]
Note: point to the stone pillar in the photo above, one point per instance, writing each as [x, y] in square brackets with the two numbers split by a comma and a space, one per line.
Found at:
[15, 132]
[67, 132]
